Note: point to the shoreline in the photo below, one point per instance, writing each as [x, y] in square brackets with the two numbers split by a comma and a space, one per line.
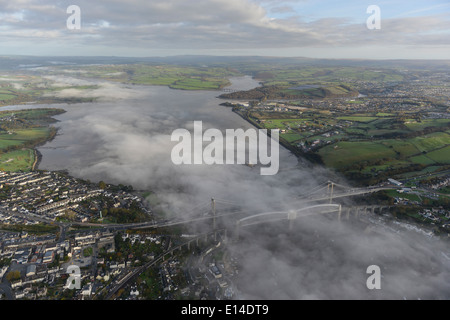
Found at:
[306, 159]
[37, 159]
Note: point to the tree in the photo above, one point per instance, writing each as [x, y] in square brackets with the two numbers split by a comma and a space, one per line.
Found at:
[13, 275]
[102, 185]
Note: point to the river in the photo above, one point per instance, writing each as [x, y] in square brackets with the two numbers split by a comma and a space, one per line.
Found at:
[125, 138]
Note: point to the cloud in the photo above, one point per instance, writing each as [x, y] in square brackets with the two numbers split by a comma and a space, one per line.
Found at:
[205, 25]
[323, 259]
[126, 136]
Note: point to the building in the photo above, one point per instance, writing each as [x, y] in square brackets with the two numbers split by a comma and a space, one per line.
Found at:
[48, 257]
[397, 183]
[87, 290]
[31, 270]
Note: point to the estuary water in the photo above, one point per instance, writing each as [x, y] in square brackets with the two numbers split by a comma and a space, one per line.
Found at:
[125, 138]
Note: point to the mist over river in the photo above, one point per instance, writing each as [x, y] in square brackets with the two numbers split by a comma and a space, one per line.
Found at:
[125, 137]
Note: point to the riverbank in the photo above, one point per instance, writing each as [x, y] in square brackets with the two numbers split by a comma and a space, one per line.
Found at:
[21, 133]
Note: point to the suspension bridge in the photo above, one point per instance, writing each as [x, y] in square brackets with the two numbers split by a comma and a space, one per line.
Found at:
[243, 217]
[318, 200]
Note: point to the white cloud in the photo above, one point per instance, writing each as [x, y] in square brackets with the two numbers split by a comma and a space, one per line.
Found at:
[202, 25]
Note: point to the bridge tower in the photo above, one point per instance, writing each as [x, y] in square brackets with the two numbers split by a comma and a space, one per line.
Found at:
[213, 209]
[331, 190]
[292, 215]
[237, 229]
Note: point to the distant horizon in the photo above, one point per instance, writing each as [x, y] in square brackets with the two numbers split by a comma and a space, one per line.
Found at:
[226, 56]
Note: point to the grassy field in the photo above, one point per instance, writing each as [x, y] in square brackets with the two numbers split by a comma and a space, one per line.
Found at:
[326, 75]
[364, 145]
[440, 156]
[22, 136]
[345, 153]
[291, 137]
[18, 160]
[20, 132]
[412, 150]
[416, 126]
[15, 89]
[431, 141]
[4, 96]
[358, 118]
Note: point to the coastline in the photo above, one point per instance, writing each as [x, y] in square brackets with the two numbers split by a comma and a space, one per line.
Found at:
[310, 159]
[37, 159]
[37, 153]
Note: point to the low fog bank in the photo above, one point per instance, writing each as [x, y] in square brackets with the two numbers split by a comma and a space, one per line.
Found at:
[125, 138]
[323, 259]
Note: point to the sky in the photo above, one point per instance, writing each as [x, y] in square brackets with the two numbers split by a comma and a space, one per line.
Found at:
[295, 28]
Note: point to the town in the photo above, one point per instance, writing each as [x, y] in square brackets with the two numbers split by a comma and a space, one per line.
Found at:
[51, 221]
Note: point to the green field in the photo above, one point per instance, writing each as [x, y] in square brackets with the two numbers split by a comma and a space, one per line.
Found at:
[19, 160]
[176, 77]
[426, 123]
[358, 118]
[346, 153]
[431, 141]
[21, 136]
[7, 96]
[291, 137]
[422, 159]
[284, 123]
[323, 75]
[20, 132]
[440, 156]
[349, 152]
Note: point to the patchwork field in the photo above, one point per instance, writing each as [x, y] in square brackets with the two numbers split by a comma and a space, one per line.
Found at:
[370, 146]
[176, 77]
[19, 160]
[20, 132]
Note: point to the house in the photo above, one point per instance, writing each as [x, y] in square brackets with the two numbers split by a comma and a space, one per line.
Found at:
[134, 291]
[31, 270]
[48, 257]
[397, 183]
[87, 290]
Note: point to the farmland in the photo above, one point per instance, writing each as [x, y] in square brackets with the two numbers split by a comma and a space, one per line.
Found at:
[27, 88]
[176, 77]
[365, 147]
[20, 132]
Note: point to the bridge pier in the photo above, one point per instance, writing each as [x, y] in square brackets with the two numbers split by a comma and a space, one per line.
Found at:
[213, 208]
[225, 239]
[237, 230]
[292, 215]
